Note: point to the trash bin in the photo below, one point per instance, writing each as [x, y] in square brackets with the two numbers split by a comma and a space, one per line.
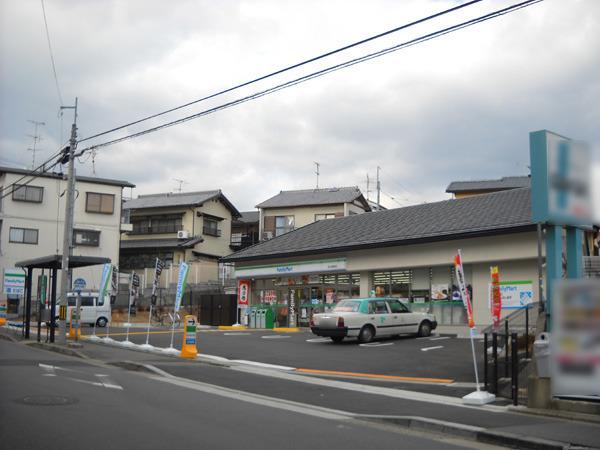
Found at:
[541, 351]
[260, 319]
[252, 318]
[269, 318]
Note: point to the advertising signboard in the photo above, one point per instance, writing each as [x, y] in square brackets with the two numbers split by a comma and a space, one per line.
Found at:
[14, 282]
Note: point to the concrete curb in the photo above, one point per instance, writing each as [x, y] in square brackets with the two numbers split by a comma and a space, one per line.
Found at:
[558, 414]
[232, 327]
[7, 337]
[478, 434]
[58, 349]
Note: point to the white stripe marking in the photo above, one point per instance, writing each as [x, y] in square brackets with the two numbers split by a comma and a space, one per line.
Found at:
[376, 344]
[439, 338]
[237, 333]
[277, 336]
[321, 339]
[264, 365]
[426, 349]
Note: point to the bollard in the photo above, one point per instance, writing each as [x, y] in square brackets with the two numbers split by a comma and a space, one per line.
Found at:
[515, 369]
[506, 349]
[188, 348]
[495, 362]
[485, 362]
[527, 332]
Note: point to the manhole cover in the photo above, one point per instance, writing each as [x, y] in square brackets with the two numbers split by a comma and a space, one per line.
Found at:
[47, 400]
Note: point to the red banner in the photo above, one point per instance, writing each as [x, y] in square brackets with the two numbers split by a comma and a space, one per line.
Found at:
[243, 292]
[496, 303]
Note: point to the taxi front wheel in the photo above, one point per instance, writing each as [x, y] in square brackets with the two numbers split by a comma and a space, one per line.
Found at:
[367, 333]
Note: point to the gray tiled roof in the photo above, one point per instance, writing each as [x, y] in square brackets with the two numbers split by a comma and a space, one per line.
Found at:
[489, 185]
[478, 215]
[249, 217]
[170, 199]
[160, 243]
[61, 176]
[311, 197]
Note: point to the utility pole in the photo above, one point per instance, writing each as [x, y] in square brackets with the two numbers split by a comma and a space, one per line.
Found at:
[378, 189]
[36, 139]
[317, 172]
[65, 278]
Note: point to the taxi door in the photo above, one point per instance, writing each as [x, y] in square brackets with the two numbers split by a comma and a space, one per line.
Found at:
[380, 317]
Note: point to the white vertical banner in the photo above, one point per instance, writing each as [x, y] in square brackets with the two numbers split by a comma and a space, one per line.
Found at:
[181, 283]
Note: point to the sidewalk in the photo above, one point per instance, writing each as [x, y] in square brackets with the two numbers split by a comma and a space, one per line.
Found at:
[437, 413]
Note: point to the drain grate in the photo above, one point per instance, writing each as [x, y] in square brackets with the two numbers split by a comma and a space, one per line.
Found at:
[47, 400]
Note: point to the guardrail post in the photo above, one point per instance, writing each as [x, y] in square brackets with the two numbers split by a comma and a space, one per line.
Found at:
[515, 369]
[495, 362]
[506, 348]
[485, 362]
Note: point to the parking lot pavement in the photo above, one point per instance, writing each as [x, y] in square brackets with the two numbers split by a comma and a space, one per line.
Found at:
[436, 360]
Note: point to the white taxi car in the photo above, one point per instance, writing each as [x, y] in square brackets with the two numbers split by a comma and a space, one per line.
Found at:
[366, 318]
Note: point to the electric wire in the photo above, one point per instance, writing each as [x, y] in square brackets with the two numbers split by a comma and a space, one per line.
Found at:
[319, 73]
[288, 68]
[51, 55]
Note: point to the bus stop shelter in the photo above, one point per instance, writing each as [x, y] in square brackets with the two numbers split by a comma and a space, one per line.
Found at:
[53, 263]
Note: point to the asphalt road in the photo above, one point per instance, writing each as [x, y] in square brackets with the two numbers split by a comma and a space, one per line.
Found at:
[52, 401]
[434, 357]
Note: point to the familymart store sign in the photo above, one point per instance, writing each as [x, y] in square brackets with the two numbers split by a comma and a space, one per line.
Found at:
[306, 267]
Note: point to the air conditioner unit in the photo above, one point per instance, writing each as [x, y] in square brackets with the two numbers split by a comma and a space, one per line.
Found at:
[267, 235]
[183, 234]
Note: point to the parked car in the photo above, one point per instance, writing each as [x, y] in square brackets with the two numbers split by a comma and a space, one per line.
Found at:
[367, 318]
[92, 310]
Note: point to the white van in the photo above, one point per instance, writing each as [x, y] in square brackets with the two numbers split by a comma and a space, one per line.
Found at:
[93, 310]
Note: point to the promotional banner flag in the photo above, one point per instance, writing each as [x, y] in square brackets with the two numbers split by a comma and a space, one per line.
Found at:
[160, 265]
[114, 281]
[243, 292]
[105, 280]
[181, 283]
[462, 286]
[496, 304]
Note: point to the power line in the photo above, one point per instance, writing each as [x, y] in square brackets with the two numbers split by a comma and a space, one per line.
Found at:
[286, 69]
[322, 72]
[60, 100]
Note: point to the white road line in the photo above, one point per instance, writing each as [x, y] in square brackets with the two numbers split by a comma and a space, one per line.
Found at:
[439, 338]
[263, 365]
[277, 336]
[108, 383]
[318, 340]
[376, 344]
[426, 349]
[237, 333]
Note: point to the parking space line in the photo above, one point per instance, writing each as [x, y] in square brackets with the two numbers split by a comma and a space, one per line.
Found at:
[276, 336]
[426, 349]
[439, 338]
[237, 333]
[375, 376]
[321, 339]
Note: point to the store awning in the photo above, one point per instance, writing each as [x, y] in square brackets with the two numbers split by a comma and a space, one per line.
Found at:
[55, 262]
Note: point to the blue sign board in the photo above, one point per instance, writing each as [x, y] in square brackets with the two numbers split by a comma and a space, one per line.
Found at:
[79, 284]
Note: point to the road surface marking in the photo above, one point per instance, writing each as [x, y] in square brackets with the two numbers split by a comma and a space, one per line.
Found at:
[321, 339]
[426, 349]
[277, 336]
[50, 370]
[439, 338]
[376, 344]
[237, 333]
[105, 381]
[264, 365]
[108, 383]
[375, 376]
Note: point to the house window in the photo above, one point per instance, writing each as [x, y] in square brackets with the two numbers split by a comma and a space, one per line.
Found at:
[283, 224]
[25, 193]
[211, 227]
[157, 224]
[89, 238]
[23, 235]
[100, 203]
[324, 216]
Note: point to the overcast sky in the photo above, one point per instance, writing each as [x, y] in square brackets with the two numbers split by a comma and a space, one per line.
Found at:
[459, 107]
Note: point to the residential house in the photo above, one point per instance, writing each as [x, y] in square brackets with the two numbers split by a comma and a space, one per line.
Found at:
[32, 220]
[289, 210]
[194, 227]
[244, 230]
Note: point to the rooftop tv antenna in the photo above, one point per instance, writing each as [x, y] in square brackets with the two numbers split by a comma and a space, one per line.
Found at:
[317, 172]
[36, 138]
[181, 183]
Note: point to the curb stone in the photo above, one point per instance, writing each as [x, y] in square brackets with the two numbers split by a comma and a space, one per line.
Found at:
[58, 349]
[478, 434]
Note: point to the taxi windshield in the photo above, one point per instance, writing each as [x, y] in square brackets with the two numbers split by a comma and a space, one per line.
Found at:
[347, 306]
